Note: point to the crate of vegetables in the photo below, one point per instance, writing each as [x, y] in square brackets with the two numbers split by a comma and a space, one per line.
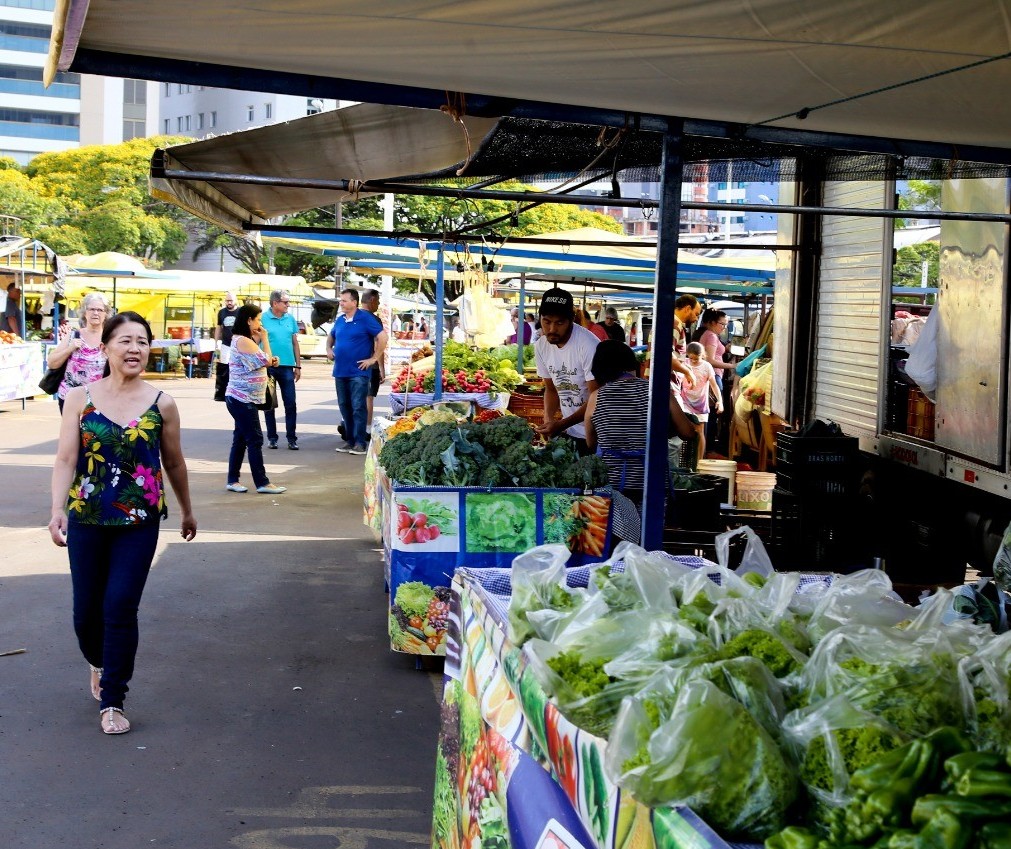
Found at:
[476, 494]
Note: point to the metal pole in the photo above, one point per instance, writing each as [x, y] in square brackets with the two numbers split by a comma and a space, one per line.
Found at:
[440, 296]
[656, 476]
[521, 325]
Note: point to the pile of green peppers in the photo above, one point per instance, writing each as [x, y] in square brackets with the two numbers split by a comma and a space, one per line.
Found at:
[932, 793]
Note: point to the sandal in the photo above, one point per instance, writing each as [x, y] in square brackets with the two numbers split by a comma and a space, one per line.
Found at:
[114, 721]
[96, 682]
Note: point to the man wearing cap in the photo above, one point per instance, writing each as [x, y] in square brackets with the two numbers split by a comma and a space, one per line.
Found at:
[563, 353]
[611, 326]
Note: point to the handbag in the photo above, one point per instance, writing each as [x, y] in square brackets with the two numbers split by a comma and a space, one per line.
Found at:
[51, 380]
[270, 398]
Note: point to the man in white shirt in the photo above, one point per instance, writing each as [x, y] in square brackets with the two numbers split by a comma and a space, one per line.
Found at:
[564, 353]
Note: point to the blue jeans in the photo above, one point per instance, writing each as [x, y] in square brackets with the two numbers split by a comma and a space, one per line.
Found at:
[247, 438]
[284, 376]
[108, 569]
[352, 398]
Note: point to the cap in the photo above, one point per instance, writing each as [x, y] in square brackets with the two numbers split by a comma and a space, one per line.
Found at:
[556, 302]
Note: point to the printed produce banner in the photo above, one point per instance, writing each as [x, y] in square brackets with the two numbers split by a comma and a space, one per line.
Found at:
[376, 484]
[513, 773]
[429, 533]
[21, 370]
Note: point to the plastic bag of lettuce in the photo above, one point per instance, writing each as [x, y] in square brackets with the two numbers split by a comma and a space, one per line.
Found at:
[705, 750]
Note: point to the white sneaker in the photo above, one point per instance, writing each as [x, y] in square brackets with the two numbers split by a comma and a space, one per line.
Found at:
[271, 489]
[237, 487]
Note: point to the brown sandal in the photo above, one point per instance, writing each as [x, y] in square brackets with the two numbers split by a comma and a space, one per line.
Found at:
[114, 721]
[96, 682]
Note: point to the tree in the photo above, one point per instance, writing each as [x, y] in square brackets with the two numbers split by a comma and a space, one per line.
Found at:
[101, 191]
[908, 269]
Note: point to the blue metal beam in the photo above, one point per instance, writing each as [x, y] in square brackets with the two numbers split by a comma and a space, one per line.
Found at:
[655, 488]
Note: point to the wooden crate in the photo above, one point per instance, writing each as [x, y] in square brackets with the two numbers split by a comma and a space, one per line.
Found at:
[919, 415]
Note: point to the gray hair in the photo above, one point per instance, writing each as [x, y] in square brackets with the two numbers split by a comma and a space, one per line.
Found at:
[90, 298]
[277, 295]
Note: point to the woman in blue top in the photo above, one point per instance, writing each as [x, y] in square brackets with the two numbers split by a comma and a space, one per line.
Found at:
[117, 436]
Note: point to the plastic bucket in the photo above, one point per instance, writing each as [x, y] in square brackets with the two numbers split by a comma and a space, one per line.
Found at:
[754, 490]
[722, 468]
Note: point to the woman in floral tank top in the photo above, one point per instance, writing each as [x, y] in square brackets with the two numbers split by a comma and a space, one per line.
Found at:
[117, 439]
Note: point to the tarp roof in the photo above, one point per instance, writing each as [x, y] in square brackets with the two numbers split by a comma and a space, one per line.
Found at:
[630, 263]
[361, 142]
[907, 69]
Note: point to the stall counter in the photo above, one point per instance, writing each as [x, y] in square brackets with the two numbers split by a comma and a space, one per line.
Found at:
[514, 773]
[21, 368]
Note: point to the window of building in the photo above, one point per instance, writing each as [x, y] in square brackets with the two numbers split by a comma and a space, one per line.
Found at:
[179, 88]
[135, 91]
[267, 110]
[133, 129]
[213, 120]
[187, 122]
[179, 124]
[200, 120]
[167, 129]
[168, 89]
[250, 113]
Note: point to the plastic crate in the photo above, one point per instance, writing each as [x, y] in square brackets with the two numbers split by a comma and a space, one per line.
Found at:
[919, 415]
[814, 450]
[802, 536]
[828, 481]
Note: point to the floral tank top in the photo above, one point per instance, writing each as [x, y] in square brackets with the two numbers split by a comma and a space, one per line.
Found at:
[85, 366]
[119, 478]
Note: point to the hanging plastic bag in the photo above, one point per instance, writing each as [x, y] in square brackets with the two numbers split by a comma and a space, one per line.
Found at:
[756, 558]
[538, 583]
[710, 754]
[921, 366]
[985, 684]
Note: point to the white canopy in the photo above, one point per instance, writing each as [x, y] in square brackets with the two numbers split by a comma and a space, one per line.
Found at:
[905, 69]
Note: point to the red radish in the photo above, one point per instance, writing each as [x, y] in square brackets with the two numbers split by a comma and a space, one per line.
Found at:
[420, 520]
[421, 535]
[404, 521]
[407, 536]
[433, 531]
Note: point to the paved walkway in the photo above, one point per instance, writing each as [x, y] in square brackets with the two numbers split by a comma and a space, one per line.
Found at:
[267, 709]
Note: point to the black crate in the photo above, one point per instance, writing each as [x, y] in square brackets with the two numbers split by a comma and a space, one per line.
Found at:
[807, 536]
[829, 481]
[815, 450]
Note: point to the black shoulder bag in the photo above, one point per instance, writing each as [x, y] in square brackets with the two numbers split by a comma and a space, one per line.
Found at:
[51, 380]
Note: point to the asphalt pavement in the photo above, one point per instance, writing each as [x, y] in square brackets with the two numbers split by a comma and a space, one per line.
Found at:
[267, 709]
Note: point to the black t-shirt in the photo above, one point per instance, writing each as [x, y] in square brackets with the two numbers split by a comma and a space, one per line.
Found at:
[614, 331]
[226, 320]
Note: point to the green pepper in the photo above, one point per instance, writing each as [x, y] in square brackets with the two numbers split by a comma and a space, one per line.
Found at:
[966, 808]
[902, 838]
[994, 835]
[793, 837]
[958, 765]
[944, 830]
[984, 782]
[949, 741]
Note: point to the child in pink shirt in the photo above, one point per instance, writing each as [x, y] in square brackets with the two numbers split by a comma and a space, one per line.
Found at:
[695, 398]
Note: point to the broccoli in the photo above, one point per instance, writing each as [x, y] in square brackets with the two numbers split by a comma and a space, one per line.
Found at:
[502, 433]
[764, 646]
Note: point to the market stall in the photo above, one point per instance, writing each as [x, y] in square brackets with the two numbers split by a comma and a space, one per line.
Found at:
[668, 702]
[38, 272]
[449, 492]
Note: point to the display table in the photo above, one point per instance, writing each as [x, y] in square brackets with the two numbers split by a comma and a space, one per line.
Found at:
[510, 767]
[469, 533]
[21, 369]
[401, 402]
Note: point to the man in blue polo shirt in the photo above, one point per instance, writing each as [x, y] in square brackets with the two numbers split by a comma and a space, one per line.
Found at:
[282, 331]
[355, 344]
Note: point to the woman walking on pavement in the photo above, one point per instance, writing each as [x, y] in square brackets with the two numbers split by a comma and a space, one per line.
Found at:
[117, 436]
[82, 349]
[247, 387]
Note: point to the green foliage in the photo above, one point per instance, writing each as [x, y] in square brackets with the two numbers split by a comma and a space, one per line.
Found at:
[413, 597]
[764, 646]
[859, 747]
[65, 239]
[584, 676]
[908, 268]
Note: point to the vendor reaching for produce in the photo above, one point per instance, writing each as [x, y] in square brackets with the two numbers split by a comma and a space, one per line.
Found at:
[564, 355]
